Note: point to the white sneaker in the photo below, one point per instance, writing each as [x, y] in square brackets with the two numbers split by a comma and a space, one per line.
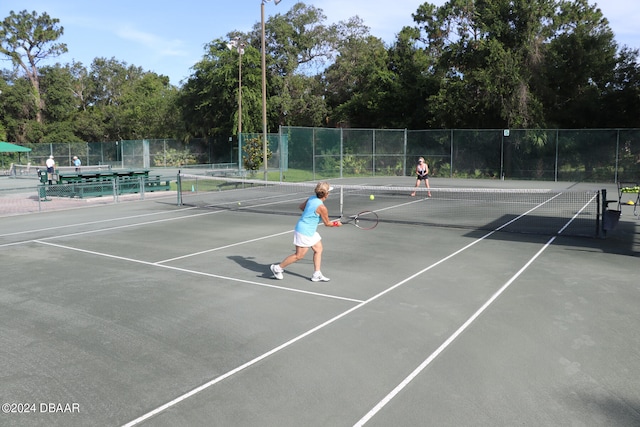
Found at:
[318, 277]
[277, 271]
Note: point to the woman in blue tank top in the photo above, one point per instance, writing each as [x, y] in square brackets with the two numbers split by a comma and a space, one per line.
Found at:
[306, 235]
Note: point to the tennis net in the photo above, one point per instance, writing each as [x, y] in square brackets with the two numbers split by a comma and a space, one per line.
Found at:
[536, 211]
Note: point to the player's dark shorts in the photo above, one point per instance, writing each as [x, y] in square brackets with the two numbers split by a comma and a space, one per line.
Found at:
[423, 177]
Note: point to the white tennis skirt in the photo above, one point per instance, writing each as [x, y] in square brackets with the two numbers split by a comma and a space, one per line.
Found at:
[305, 241]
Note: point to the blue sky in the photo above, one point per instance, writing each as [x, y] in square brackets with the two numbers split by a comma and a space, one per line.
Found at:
[168, 37]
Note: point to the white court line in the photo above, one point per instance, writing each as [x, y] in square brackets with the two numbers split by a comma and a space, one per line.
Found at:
[446, 344]
[461, 329]
[58, 227]
[273, 351]
[80, 233]
[293, 340]
[199, 273]
[224, 247]
[117, 227]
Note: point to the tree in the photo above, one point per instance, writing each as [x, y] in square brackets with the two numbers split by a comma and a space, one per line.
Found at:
[298, 45]
[18, 108]
[209, 97]
[27, 38]
[414, 82]
[580, 64]
[253, 155]
[58, 123]
[357, 83]
[146, 107]
[517, 63]
[621, 103]
[119, 101]
[55, 84]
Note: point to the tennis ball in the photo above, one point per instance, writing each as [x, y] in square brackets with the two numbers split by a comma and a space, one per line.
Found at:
[371, 197]
[239, 203]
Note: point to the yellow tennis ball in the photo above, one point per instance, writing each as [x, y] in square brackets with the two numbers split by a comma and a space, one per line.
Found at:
[239, 203]
[371, 197]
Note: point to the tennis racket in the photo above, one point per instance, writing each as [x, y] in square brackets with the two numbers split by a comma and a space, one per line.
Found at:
[365, 220]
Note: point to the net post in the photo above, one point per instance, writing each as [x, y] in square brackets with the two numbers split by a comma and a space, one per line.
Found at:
[598, 198]
[341, 201]
[605, 206]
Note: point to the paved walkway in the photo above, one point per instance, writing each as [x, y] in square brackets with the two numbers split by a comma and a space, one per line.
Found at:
[20, 196]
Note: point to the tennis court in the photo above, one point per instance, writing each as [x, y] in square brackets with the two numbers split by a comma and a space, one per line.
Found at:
[156, 313]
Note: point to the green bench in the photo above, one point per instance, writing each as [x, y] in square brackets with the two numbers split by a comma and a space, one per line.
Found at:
[101, 183]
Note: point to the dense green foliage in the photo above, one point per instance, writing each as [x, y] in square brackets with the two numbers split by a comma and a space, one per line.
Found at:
[254, 155]
[525, 64]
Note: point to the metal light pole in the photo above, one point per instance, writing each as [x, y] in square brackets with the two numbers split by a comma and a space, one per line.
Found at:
[264, 89]
[239, 45]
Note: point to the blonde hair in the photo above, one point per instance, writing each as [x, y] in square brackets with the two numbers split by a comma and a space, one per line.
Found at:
[322, 189]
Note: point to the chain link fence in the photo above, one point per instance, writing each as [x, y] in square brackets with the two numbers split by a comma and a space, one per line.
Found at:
[592, 155]
[144, 153]
[596, 155]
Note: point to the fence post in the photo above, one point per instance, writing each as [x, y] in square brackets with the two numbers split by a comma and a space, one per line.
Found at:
[279, 151]
[341, 151]
[404, 162]
[451, 154]
[313, 152]
[615, 175]
[141, 183]
[373, 152]
[555, 175]
[502, 156]
[179, 188]
[114, 183]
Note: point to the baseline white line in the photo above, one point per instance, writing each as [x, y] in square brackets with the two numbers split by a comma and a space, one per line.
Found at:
[118, 227]
[80, 233]
[91, 222]
[199, 273]
[224, 247]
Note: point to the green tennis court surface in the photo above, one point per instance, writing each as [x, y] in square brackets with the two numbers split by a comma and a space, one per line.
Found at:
[149, 313]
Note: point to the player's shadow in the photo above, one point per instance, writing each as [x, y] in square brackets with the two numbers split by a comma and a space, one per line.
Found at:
[248, 263]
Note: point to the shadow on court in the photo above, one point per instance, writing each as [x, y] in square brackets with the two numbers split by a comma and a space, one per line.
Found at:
[263, 271]
[624, 239]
